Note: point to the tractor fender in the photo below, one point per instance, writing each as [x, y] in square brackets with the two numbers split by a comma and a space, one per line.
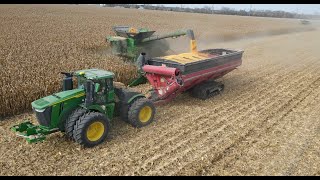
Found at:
[107, 110]
[64, 115]
[134, 97]
[96, 108]
[125, 97]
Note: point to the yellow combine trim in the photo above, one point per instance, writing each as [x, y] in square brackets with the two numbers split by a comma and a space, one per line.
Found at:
[185, 58]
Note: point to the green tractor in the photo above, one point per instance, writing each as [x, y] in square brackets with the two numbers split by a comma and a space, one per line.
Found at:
[84, 113]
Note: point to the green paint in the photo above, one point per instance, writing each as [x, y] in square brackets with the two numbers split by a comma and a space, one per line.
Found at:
[140, 80]
[129, 44]
[31, 132]
[134, 97]
[53, 110]
[96, 108]
[56, 98]
[95, 74]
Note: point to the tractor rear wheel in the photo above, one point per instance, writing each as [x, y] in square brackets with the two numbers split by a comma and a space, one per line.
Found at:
[91, 129]
[71, 121]
[141, 112]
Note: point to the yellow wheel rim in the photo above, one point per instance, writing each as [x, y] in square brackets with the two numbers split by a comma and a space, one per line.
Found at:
[95, 131]
[145, 114]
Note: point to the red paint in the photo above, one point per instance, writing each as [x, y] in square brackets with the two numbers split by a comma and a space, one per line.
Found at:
[165, 80]
[161, 70]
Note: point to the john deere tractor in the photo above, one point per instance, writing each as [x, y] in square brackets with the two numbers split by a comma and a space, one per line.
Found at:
[84, 113]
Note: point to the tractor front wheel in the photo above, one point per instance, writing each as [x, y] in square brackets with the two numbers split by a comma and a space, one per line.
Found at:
[71, 121]
[91, 129]
[141, 112]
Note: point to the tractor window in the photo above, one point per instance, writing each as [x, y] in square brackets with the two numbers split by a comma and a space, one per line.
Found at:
[81, 82]
[101, 91]
[109, 83]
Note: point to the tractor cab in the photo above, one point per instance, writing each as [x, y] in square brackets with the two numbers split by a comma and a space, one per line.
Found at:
[98, 85]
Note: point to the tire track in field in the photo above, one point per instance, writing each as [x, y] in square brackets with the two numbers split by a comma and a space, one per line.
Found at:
[299, 54]
[258, 79]
[239, 92]
[283, 111]
[298, 75]
[261, 77]
[172, 111]
[176, 158]
[305, 146]
[235, 155]
[259, 71]
[198, 117]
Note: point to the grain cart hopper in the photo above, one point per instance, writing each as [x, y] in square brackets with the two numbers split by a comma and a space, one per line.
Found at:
[129, 41]
[84, 113]
[195, 72]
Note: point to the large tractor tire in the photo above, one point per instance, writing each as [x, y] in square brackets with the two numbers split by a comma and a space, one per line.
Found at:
[71, 121]
[121, 105]
[141, 112]
[91, 129]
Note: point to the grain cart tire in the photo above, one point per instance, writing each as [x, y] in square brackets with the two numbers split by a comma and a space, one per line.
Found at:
[71, 121]
[91, 129]
[141, 112]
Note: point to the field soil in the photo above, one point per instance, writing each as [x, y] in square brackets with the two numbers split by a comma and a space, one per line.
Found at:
[266, 122]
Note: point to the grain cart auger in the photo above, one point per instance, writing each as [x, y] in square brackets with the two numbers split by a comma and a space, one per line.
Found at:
[129, 41]
[84, 113]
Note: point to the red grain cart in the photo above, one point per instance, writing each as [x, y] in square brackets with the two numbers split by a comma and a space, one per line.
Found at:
[194, 72]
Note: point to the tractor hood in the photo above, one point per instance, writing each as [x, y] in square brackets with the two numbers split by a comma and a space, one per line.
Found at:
[57, 98]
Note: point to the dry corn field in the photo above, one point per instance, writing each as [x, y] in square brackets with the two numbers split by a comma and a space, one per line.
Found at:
[266, 122]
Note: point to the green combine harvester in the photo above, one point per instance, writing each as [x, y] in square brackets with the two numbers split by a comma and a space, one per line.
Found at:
[129, 42]
[84, 113]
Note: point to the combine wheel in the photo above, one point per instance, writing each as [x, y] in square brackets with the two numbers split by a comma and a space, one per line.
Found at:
[91, 129]
[71, 121]
[141, 112]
